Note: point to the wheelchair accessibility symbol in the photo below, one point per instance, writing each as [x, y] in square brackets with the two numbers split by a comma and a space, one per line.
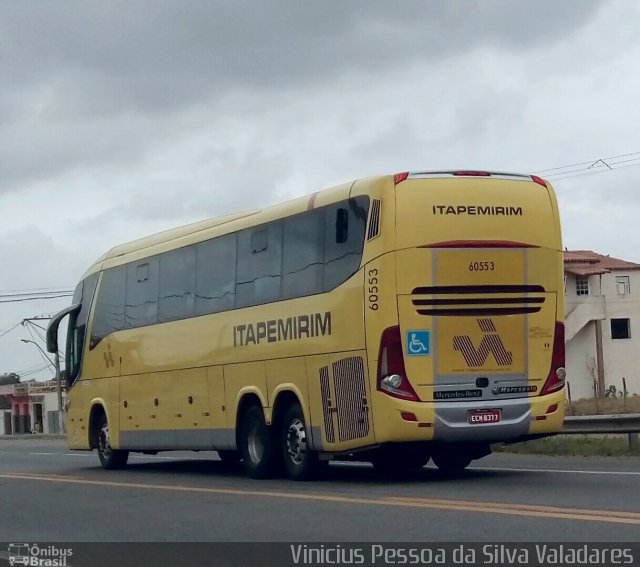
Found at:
[418, 343]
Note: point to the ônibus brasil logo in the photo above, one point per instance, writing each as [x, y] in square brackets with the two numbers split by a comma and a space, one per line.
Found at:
[38, 556]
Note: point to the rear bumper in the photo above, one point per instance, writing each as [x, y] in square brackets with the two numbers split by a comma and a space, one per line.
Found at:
[449, 421]
[452, 423]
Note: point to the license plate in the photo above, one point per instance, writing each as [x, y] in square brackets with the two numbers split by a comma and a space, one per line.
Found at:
[484, 416]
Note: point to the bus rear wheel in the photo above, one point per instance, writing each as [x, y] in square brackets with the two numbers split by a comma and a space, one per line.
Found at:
[110, 458]
[229, 456]
[396, 459]
[450, 462]
[257, 446]
[300, 460]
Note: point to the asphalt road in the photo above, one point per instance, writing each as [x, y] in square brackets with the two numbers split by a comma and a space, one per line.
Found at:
[48, 493]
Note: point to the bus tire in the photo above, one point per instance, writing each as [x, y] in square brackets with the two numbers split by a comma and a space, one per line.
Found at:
[227, 456]
[450, 462]
[301, 462]
[257, 446]
[110, 459]
[397, 459]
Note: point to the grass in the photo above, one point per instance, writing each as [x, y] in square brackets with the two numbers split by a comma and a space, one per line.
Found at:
[30, 437]
[585, 445]
[604, 406]
[575, 445]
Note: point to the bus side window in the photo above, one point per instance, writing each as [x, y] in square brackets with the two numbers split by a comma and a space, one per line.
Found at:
[302, 255]
[109, 313]
[142, 293]
[259, 265]
[342, 225]
[75, 340]
[177, 286]
[216, 275]
[77, 327]
[344, 239]
[259, 241]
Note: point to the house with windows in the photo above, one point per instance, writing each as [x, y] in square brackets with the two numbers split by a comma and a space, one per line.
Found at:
[602, 323]
[33, 408]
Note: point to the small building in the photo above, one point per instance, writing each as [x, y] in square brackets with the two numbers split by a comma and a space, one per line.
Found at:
[602, 323]
[34, 408]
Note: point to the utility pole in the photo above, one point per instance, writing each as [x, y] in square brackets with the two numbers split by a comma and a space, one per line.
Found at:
[600, 359]
[58, 378]
[56, 361]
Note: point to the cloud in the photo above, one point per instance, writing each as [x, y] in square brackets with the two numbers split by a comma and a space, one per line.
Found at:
[31, 259]
[117, 121]
[90, 86]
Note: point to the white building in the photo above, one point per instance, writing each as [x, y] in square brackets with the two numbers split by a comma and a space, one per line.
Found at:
[34, 408]
[602, 323]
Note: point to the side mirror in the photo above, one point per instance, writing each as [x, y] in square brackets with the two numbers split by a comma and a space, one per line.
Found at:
[52, 329]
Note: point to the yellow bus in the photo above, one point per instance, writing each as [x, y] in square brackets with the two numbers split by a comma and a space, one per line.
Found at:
[393, 319]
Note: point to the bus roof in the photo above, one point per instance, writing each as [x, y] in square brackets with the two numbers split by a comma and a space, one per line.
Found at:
[190, 233]
[204, 229]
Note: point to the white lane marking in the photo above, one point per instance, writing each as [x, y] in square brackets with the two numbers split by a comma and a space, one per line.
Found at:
[45, 454]
[358, 464]
[90, 454]
[562, 471]
[168, 458]
[61, 454]
[510, 469]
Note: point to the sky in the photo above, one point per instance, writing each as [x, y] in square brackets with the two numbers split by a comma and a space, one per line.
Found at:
[118, 119]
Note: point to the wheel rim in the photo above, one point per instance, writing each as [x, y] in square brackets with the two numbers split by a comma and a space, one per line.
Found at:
[255, 444]
[104, 448]
[296, 441]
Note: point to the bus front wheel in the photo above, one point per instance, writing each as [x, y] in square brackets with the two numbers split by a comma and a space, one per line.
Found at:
[300, 460]
[257, 445]
[110, 458]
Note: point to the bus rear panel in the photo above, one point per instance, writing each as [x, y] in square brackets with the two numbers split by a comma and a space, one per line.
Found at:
[479, 302]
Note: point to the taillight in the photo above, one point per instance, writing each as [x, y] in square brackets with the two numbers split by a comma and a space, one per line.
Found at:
[400, 177]
[472, 173]
[392, 377]
[539, 180]
[557, 373]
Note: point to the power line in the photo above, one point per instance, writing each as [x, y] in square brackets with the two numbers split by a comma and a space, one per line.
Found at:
[17, 300]
[589, 162]
[55, 289]
[590, 172]
[4, 294]
[40, 350]
[594, 166]
[3, 333]
[31, 371]
[34, 293]
[38, 332]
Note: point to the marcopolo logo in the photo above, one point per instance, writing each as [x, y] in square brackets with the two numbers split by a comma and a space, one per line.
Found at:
[36, 556]
[491, 343]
